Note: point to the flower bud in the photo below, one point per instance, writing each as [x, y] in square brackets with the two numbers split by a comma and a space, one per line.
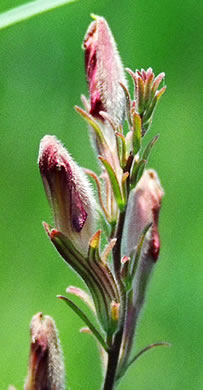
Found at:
[104, 72]
[143, 208]
[46, 366]
[146, 94]
[68, 191]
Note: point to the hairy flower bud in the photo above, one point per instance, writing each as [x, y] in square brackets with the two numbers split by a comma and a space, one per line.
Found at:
[46, 367]
[143, 209]
[69, 193]
[104, 72]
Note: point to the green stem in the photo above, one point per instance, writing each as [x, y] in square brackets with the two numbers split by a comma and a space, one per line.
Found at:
[113, 357]
[114, 353]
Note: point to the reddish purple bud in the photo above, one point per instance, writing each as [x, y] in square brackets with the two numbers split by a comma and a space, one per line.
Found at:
[143, 208]
[68, 191]
[46, 366]
[104, 72]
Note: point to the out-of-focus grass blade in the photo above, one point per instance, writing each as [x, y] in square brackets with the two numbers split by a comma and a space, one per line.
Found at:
[28, 10]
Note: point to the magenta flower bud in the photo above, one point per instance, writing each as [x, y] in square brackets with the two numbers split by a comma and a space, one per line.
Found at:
[143, 209]
[69, 193]
[46, 366]
[104, 72]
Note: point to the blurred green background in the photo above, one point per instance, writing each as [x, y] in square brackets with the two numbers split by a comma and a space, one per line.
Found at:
[41, 79]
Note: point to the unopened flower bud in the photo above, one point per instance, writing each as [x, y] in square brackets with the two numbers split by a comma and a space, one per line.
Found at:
[143, 209]
[46, 366]
[104, 72]
[69, 193]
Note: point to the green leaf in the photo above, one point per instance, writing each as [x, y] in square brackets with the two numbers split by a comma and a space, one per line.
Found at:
[137, 171]
[83, 316]
[28, 10]
[89, 119]
[137, 132]
[139, 354]
[161, 344]
[128, 103]
[114, 183]
[148, 86]
[149, 147]
[140, 95]
[122, 149]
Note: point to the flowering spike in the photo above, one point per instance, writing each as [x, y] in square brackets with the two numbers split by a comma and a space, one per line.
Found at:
[69, 192]
[104, 71]
[146, 94]
[46, 366]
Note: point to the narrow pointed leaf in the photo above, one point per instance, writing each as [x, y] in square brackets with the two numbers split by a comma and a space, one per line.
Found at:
[160, 93]
[99, 191]
[137, 171]
[107, 250]
[108, 118]
[28, 10]
[141, 95]
[150, 110]
[154, 87]
[125, 185]
[150, 78]
[83, 316]
[123, 153]
[128, 103]
[149, 147]
[157, 82]
[137, 132]
[78, 292]
[89, 119]
[114, 183]
[139, 354]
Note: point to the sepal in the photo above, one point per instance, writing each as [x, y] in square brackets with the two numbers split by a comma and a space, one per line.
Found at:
[91, 269]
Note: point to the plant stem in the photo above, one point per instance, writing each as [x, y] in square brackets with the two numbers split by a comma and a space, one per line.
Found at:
[110, 378]
[113, 357]
[117, 247]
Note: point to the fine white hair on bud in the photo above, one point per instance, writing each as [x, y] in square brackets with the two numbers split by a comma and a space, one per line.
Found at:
[69, 193]
[143, 209]
[46, 365]
[104, 72]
